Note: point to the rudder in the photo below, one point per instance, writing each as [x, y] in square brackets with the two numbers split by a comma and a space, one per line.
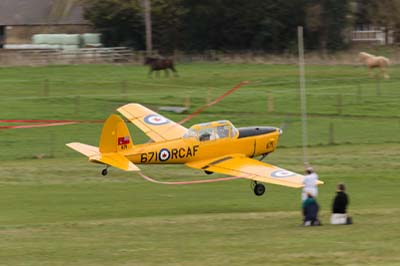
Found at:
[115, 136]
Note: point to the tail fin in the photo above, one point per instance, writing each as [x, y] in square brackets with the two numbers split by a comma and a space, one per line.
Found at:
[114, 139]
[115, 136]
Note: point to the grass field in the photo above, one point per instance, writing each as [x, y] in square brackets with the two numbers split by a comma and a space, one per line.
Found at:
[60, 211]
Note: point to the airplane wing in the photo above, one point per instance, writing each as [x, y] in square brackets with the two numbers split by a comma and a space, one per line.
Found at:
[155, 126]
[240, 165]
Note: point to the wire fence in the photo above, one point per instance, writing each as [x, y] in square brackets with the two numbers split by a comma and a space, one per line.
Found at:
[126, 55]
[340, 111]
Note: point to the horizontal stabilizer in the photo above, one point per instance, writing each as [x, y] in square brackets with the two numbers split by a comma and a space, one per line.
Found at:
[85, 149]
[112, 159]
[116, 160]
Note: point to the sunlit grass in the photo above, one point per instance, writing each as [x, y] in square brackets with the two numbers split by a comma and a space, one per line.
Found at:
[59, 210]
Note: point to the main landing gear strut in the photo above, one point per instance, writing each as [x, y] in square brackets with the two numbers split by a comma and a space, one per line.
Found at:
[258, 188]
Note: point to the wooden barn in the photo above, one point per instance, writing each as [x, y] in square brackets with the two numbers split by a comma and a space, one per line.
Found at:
[21, 19]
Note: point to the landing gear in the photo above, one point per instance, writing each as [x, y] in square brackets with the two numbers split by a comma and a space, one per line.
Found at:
[104, 172]
[258, 188]
[208, 172]
[263, 156]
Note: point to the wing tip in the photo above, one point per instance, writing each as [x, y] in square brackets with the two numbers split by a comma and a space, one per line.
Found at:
[128, 104]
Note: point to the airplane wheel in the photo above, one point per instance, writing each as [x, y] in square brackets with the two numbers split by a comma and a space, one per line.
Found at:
[208, 172]
[104, 172]
[259, 189]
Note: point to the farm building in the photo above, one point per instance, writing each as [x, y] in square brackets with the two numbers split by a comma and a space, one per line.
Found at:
[20, 20]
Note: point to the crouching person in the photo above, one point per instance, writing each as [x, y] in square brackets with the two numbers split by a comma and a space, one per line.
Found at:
[310, 211]
[339, 206]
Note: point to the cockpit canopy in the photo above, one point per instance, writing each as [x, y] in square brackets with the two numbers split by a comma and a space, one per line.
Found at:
[211, 131]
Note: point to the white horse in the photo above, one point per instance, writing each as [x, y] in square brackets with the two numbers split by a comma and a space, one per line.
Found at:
[373, 61]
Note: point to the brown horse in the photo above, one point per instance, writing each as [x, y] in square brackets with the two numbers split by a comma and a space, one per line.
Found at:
[157, 64]
[375, 61]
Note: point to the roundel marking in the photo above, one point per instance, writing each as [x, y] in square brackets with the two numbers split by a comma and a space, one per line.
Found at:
[282, 173]
[164, 154]
[156, 120]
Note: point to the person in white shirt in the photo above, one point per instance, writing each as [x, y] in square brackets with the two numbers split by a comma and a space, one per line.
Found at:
[310, 184]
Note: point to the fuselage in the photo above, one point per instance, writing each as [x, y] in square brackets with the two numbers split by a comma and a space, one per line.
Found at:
[251, 141]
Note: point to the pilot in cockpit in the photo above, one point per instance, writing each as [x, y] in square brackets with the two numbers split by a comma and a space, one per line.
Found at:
[205, 136]
[222, 132]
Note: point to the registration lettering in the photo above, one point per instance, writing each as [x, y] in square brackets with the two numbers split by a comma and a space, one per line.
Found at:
[164, 154]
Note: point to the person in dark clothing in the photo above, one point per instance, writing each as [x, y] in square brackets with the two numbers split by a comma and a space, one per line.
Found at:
[341, 200]
[310, 211]
[339, 206]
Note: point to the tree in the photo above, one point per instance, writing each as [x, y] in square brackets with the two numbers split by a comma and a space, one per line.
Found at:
[241, 24]
[335, 13]
[385, 13]
[167, 16]
[269, 25]
[326, 22]
[361, 12]
[313, 25]
[119, 21]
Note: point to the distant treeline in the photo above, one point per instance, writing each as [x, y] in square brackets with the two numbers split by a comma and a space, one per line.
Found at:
[229, 25]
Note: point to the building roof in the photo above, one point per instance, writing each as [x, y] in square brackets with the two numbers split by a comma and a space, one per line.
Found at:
[41, 12]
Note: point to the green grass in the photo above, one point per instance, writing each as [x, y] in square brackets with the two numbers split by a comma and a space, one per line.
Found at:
[60, 211]
[343, 101]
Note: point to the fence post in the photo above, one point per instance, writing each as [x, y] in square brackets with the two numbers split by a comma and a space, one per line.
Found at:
[331, 134]
[378, 86]
[52, 141]
[46, 87]
[77, 105]
[209, 91]
[187, 102]
[124, 85]
[359, 93]
[339, 103]
[270, 102]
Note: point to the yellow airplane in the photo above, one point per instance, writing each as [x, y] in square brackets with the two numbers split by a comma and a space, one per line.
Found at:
[212, 147]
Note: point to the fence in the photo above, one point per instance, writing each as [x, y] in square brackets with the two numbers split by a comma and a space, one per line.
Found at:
[123, 55]
[341, 111]
[74, 56]
[377, 36]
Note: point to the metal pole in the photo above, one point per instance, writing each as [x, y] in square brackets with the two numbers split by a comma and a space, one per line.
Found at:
[147, 21]
[302, 93]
